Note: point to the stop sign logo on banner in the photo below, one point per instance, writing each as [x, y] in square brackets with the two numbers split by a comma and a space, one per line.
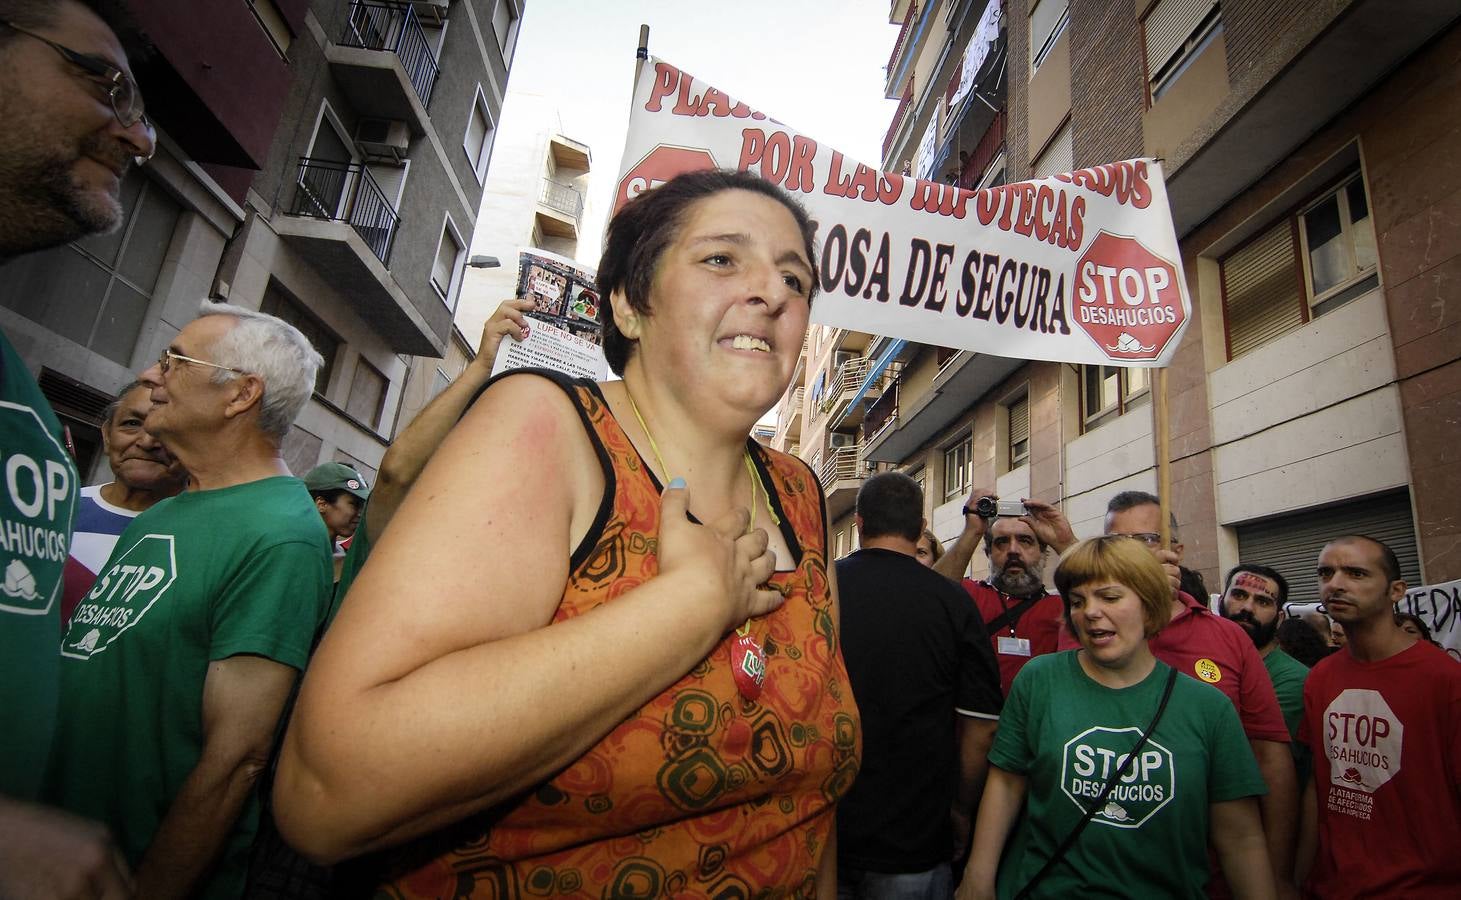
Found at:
[658, 166]
[1127, 298]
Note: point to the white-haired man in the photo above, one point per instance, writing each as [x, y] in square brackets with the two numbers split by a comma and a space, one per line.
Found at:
[178, 663]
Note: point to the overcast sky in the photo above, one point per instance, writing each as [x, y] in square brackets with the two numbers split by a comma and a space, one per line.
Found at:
[816, 65]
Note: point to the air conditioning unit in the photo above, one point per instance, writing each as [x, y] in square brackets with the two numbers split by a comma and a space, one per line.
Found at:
[837, 440]
[383, 139]
[841, 357]
[430, 12]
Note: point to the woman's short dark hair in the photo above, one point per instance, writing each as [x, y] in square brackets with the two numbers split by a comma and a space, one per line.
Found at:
[645, 226]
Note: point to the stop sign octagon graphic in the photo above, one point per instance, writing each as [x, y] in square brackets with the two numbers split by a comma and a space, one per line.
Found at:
[658, 166]
[1127, 298]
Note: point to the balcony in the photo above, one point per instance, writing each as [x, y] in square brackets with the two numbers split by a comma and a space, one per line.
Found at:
[569, 154]
[559, 208]
[904, 36]
[789, 417]
[845, 384]
[841, 474]
[896, 124]
[1265, 119]
[341, 222]
[891, 433]
[384, 63]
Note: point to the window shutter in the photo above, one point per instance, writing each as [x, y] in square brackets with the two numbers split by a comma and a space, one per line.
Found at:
[1291, 543]
[1058, 157]
[1168, 26]
[1261, 292]
[1019, 421]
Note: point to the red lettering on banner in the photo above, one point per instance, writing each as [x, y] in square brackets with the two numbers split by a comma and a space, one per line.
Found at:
[865, 183]
[714, 103]
[1126, 181]
[1006, 291]
[684, 105]
[665, 79]
[779, 158]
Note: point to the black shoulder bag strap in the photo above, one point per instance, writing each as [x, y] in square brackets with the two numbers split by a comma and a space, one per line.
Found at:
[1010, 616]
[1065, 845]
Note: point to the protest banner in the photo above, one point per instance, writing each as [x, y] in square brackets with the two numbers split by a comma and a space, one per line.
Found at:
[1081, 267]
[1439, 606]
[565, 333]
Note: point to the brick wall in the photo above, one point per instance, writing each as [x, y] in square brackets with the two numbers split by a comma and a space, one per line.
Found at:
[1107, 89]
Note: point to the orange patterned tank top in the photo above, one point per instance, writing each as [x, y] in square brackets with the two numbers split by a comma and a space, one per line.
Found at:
[701, 793]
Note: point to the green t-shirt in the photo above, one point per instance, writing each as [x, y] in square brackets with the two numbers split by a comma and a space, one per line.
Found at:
[1066, 734]
[1288, 676]
[354, 562]
[38, 485]
[203, 576]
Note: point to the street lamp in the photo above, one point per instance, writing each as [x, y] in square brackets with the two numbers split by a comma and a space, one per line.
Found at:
[484, 262]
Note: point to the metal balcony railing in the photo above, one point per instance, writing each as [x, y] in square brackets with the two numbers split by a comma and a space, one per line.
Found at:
[561, 197]
[393, 27]
[840, 464]
[346, 192]
[897, 122]
[850, 376]
[902, 38]
[881, 414]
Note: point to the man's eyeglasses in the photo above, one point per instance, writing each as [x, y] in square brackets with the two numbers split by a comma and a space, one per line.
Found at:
[121, 89]
[1150, 538]
[164, 363]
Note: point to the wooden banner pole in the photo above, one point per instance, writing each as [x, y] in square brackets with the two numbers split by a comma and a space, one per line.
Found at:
[640, 54]
[1163, 424]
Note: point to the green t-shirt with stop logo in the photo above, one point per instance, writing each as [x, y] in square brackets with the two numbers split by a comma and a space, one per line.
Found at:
[38, 485]
[199, 577]
[1067, 734]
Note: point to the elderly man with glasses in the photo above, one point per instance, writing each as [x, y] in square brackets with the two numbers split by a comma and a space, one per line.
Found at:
[177, 665]
[73, 125]
[1203, 645]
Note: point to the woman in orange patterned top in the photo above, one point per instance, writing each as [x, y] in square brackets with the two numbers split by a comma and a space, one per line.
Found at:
[595, 654]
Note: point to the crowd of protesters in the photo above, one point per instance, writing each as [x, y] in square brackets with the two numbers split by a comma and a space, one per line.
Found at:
[599, 646]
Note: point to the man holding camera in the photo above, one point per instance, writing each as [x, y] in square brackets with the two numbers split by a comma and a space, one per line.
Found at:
[1022, 617]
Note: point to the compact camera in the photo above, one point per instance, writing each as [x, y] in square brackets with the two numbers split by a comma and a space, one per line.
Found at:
[989, 508]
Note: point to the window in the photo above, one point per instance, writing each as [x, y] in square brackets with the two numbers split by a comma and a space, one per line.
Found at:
[272, 21]
[1047, 23]
[1301, 266]
[957, 468]
[1338, 241]
[1176, 32]
[920, 477]
[278, 303]
[96, 291]
[367, 398]
[504, 24]
[301, 450]
[841, 545]
[478, 141]
[448, 263]
[1019, 431]
[994, 176]
[1057, 157]
[439, 383]
[1108, 392]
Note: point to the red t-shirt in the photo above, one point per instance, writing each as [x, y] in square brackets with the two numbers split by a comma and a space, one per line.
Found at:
[1386, 739]
[1218, 652]
[1040, 624]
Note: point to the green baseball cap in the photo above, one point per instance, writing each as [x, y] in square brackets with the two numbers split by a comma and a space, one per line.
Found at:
[336, 476]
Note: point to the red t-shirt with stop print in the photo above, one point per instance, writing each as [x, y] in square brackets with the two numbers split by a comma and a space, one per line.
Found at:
[1386, 739]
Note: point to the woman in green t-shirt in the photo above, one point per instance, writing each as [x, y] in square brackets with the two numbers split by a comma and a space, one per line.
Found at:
[1123, 772]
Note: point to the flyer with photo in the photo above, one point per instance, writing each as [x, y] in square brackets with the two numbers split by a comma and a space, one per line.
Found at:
[565, 333]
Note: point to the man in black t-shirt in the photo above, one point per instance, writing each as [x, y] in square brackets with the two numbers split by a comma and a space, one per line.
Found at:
[927, 685]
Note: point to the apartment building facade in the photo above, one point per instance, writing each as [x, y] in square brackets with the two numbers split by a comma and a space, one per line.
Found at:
[535, 198]
[321, 160]
[1308, 153]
